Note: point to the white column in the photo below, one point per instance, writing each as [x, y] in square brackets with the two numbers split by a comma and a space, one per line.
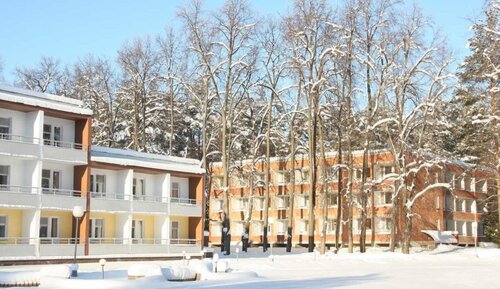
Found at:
[124, 227]
[165, 188]
[127, 177]
[162, 228]
[31, 228]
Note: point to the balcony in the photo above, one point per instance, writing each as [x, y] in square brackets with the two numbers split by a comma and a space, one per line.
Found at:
[20, 146]
[61, 199]
[19, 196]
[184, 207]
[108, 202]
[150, 204]
[17, 247]
[65, 152]
[114, 246]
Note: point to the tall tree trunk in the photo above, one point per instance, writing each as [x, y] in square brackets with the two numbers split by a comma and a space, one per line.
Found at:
[268, 172]
[312, 173]
[324, 184]
[340, 186]
[291, 199]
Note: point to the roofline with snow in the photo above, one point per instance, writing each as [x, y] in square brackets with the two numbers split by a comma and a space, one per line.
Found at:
[43, 100]
[131, 158]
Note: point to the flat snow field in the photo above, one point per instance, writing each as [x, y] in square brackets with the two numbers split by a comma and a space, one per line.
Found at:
[445, 267]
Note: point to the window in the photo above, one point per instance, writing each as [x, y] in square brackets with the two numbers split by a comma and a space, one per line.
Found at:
[481, 186]
[467, 183]
[49, 227]
[237, 228]
[52, 135]
[216, 182]
[468, 229]
[302, 201]
[281, 226]
[258, 203]
[461, 228]
[469, 206]
[4, 128]
[216, 205]
[259, 179]
[460, 205]
[138, 188]
[358, 173]
[333, 174]
[137, 229]
[332, 200]
[3, 226]
[240, 204]
[238, 180]
[257, 227]
[215, 228]
[282, 202]
[282, 177]
[4, 177]
[384, 170]
[303, 176]
[449, 202]
[480, 229]
[383, 225]
[457, 181]
[175, 190]
[303, 226]
[174, 230]
[330, 225]
[357, 225]
[450, 225]
[51, 181]
[97, 228]
[98, 185]
[383, 198]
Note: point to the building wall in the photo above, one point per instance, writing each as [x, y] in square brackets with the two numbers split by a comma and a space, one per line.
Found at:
[65, 222]
[109, 223]
[14, 222]
[183, 226]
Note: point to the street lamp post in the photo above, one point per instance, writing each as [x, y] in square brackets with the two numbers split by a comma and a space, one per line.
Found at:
[77, 213]
[102, 262]
[271, 221]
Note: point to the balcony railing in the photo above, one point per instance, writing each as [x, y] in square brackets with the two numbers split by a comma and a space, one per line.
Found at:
[183, 201]
[143, 241]
[18, 189]
[17, 241]
[107, 196]
[63, 144]
[148, 198]
[61, 192]
[19, 138]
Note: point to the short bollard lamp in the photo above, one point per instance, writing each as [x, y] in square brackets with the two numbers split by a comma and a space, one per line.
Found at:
[77, 213]
[215, 259]
[237, 253]
[102, 262]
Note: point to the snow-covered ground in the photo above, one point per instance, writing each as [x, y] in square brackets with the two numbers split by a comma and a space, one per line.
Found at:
[445, 267]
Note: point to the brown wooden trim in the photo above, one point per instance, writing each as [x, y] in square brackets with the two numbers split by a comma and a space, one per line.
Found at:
[48, 112]
[107, 166]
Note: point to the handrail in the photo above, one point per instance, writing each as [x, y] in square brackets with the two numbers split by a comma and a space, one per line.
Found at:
[183, 201]
[149, 198]
[61, 192]
[107, 196]
[64, 144]
[19, 138]
[19, 189]
[98, 241]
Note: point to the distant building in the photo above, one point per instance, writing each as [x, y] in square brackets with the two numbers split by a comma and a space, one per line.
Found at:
[135, 203]
[439, 212]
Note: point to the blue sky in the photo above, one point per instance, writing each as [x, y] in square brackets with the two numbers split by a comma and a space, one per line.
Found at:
[67, 30]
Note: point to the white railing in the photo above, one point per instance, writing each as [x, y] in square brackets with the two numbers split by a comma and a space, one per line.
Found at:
[63, 144]
[19, 138]
[183, 201]
[17, 241]
[142, 241]
[107, 196]
[148, 198]
[61, 192]
[19, 189]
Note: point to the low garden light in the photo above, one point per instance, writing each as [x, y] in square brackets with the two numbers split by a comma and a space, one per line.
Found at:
[102, 262]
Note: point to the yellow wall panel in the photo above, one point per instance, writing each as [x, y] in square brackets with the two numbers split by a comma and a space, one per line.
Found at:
[14, 222]
[65, 222]
[149, 225]
[109, 223]
[183, 226]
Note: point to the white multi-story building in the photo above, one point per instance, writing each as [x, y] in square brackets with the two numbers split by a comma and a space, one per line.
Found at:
[135, 203]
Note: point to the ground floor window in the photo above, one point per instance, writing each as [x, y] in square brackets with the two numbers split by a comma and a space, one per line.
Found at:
[49, 227]
[137, 229]
[97, 228]
[3, 226]
[174, 230]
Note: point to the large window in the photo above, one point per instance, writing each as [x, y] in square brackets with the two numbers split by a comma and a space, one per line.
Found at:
[282, 177]
[240, 204]
[332, 200]
[3, 226]
[4, 128]
[174, 230]
[383, 198]
[51, 181]
[4, 177]
[258, 203]
[215, 228]
[383, 225]
[98, 185]
[52, 135]
[216, 205]
[49, 227]
[175, 190]
[257, 227]
[137, 229]
[357, 225]
[302, 201]
[282, 202]
[97, 228]
[303, 226]
[281, 226]
[138, 188]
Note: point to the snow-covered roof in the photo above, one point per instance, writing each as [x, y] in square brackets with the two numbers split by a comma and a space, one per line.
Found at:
[146, 160]
[43, 100]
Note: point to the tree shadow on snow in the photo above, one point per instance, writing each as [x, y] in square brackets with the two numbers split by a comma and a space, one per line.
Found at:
[320, 283]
